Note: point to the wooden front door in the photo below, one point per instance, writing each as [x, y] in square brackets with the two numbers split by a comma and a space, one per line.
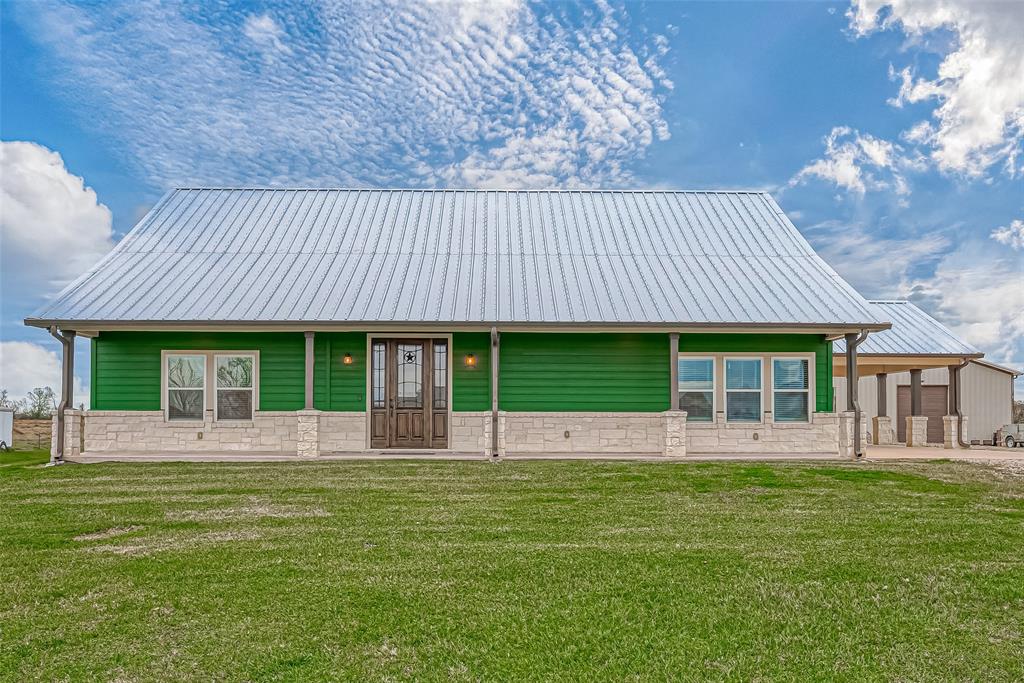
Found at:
[934, 402]
[409, 393]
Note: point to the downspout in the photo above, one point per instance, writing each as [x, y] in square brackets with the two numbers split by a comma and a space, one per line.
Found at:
[852, 393]
[494, 391]
[956, 404]
[66, 340]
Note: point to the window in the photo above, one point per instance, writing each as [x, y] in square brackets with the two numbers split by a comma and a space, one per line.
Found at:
[697, 388]
[379, 353]
[791, 389]
[186, 386]
[743, 389]
[234, 387]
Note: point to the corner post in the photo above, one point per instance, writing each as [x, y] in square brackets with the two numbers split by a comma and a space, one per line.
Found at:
[310, 356]
[915, 392]
[673, 364]
[495, 349]
[67, 389]
[853, 340]
[882, 423]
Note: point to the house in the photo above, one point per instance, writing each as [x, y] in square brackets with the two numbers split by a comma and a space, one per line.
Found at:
[914, 369]
[460, 321]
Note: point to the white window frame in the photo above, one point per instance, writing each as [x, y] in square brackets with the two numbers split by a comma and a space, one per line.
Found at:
[726, 390]
[210, 382]
[217, 389]
[714, 383]
[809, 359]
[165, 389]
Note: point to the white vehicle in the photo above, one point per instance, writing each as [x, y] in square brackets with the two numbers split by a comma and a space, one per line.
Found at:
[1013, 435]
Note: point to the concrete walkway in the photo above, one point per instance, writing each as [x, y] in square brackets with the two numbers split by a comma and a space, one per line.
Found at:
[983, 453]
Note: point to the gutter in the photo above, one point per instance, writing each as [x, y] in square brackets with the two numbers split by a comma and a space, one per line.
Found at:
[852, 395]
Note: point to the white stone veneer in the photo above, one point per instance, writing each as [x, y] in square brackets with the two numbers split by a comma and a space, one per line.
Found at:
[148, 430]
[470, 432]
[819, 436]
[342, 432]
[554, 433]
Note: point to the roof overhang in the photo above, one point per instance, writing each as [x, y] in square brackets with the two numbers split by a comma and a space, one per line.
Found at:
[873, 364]
[93, 327]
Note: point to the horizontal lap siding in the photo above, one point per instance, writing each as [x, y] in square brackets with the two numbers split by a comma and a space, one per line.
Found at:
[126, 365]
[336, 386]
[584, 372]
[471, 386]
[772, 343]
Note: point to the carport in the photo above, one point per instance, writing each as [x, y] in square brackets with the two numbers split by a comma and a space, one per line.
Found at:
[915, 343]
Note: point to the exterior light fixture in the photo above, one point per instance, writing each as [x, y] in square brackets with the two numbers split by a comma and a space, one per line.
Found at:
[347, 359]
[470, 360]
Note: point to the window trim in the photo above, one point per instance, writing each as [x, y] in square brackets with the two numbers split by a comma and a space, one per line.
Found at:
[217, 389]
[726, 390]
[811, 398]
[209, 397]
[166, 388]
[714, 383]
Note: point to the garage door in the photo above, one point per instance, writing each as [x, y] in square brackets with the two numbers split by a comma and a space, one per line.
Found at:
[933, 406]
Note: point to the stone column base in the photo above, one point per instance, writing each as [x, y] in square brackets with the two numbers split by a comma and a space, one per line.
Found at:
[949, 431]
[917, 430]
[846, 445]
[675, 433]
[881, 431]
[309, 433]
[72, 434]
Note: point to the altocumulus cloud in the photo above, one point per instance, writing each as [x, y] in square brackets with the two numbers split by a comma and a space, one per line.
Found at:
[475, 94]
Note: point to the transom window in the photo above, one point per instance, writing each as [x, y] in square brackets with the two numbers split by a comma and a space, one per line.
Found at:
[791, 391]
[697, 388]
[743, 389]
[186, 386]
[234, 386]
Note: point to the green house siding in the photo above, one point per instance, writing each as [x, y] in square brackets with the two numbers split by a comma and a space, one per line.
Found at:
[336, 386]
[772, 343]
[126, 366]
[471, 386]
[584, 372]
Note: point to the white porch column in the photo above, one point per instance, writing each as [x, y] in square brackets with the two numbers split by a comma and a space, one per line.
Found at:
[949, 430]
[917, 430]
[308, 433]
[674, 422]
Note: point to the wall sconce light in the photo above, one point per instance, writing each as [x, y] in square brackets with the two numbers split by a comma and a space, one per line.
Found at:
[347, 359]
[470, 360]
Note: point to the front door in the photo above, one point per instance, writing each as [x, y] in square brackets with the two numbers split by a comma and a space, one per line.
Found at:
[409, 393]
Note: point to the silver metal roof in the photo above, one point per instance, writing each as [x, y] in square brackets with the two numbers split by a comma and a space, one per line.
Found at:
[913, 333]
[463, 256]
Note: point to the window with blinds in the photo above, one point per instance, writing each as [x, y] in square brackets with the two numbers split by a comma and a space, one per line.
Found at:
[697, 388]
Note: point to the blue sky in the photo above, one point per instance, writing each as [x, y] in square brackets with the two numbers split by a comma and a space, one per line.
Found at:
[890, 132]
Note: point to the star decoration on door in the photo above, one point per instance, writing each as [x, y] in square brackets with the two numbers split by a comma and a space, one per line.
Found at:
[410, 357]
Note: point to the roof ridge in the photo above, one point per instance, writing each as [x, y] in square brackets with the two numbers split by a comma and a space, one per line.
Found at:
[268, 188]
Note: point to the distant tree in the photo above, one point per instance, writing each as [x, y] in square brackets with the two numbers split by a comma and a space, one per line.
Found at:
[1018, 411]
[39, 403]
[6, 402]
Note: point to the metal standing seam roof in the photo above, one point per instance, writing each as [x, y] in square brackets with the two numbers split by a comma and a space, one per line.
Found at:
[913, 333]
[463, 256]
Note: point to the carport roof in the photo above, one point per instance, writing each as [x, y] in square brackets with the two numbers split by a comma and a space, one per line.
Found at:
[913, 333]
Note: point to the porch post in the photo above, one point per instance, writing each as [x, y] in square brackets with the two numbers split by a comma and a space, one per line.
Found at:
[882, 423]
[915, 392]
[882, 381]
[673, 364]
[309, 370]
[917, 424]
[854, 340]
[67, 389]
[495, 344]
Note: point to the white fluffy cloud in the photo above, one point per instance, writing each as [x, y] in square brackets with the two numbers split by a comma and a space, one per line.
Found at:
[979, 86]
[1011, 235]
[391, 93]
[857, 162]
[25, 366]
[53, 227]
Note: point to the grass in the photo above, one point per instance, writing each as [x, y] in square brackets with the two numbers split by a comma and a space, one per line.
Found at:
[517, 570]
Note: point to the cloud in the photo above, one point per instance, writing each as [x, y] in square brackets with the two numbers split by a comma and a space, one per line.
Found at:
[414, 94]
[1011, 235]
[877, 266]
[52, 225]
[25, 366]
[979, 297]
[857, 162]
[978, 119]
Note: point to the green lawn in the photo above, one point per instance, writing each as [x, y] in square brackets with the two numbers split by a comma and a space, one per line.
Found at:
[517, 570]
